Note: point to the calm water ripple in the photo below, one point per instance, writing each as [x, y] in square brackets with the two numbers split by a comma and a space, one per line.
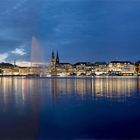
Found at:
[69, 108]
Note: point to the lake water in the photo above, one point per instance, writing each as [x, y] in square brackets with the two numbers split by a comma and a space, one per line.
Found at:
[69, 108]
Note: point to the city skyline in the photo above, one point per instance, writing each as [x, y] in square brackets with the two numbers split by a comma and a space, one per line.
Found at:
[41, 60]
[86, 30]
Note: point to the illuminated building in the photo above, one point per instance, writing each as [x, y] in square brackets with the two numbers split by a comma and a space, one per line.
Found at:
[60, 69]
[64, 69]
[137, 64]
[121, 68]
[100, 68]
[83, 68]
[53, 64]
[57, 58]
[24, 70]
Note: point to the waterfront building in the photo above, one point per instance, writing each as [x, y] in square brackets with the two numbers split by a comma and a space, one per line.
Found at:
[60, 69]
[57, 58]
[24, 71]
[137, 67]
[6, 71]
[53, 64]
[64, 69]
[36, 71]
[6, 68]
[90, 69]
[53, 60]
[15, 71]
[100, 68]
[121, 68]
[9, 71]
[83, 68]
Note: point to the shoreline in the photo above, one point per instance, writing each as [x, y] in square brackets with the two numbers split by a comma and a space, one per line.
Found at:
[76, 77]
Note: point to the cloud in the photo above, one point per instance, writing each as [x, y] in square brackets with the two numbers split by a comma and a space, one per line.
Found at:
[19, 51]
[7, 56]
[3, 57]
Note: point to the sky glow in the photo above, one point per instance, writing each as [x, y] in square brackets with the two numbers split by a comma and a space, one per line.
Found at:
[81, 30]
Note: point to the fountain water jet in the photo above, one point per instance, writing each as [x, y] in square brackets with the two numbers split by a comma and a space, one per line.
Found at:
[37, 63]
[36, 56]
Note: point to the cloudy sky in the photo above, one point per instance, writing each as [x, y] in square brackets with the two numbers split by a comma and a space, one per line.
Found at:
[81, 30]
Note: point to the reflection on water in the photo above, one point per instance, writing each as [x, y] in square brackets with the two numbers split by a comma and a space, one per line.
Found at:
[29, 108]
[23, 90]
[109, 88]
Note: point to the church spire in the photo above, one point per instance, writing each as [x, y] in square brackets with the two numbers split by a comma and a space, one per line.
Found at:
[53, 61]
[53, 57]
[57, 58]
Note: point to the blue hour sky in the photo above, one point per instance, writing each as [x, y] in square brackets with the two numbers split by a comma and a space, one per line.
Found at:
[81, 30]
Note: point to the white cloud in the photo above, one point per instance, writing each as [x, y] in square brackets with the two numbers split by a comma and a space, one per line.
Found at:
[3, 57]
[19, 51]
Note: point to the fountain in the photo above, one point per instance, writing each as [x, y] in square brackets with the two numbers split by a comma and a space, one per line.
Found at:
[37, 63]
[36, 56]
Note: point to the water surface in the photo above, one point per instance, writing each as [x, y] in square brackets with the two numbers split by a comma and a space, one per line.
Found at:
[69, 108]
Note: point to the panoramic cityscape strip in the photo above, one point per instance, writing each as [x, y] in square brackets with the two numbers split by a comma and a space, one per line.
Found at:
[55, 68]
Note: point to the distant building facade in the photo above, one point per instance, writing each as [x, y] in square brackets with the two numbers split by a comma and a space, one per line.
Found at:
[100, 68]
[137, 67]
[83, 68]
[60, 69]
[121, 68]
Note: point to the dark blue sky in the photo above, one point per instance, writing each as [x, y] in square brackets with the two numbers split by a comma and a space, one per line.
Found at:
[82, 30]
